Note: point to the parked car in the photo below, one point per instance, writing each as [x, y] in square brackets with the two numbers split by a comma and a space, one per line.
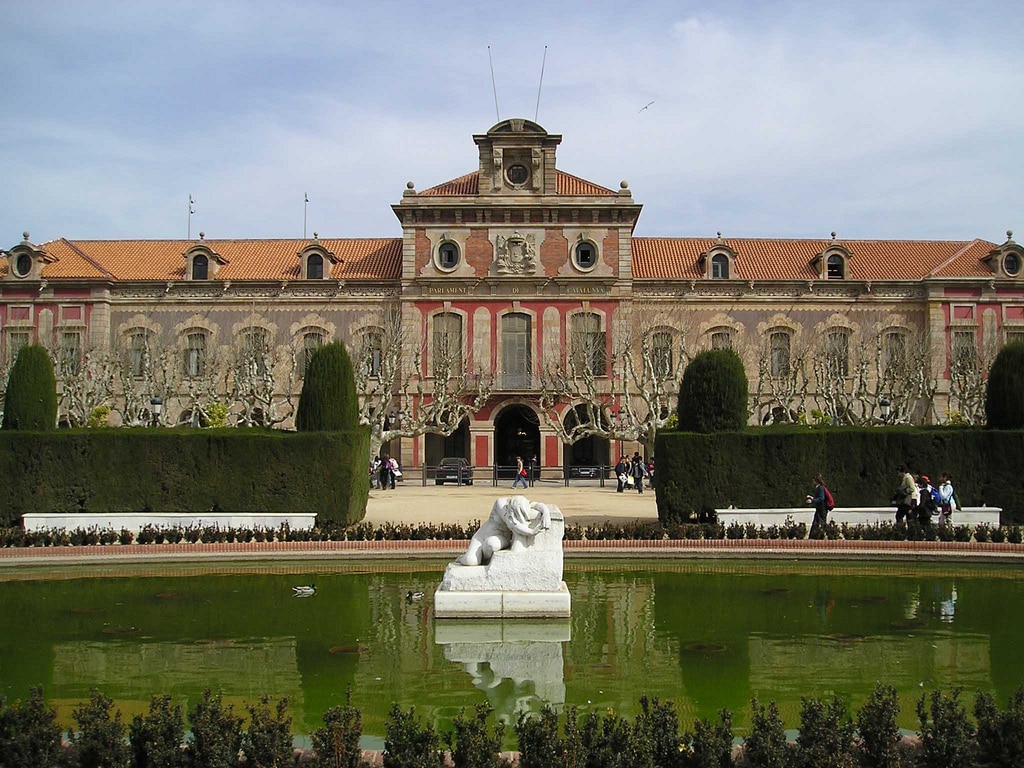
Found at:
[453, 469]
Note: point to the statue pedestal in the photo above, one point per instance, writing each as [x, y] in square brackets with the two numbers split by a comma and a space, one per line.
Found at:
[524, 581]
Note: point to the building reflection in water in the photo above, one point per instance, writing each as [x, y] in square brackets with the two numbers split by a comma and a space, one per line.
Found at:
[517, 664]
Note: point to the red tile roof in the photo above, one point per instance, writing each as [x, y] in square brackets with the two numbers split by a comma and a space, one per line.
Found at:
[777, 259]
[360, 259]
[565, 184]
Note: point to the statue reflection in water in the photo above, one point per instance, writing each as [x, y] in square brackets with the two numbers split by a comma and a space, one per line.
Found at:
[517, 664]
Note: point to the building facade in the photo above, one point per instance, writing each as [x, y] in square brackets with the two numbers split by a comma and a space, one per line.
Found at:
[516, 315]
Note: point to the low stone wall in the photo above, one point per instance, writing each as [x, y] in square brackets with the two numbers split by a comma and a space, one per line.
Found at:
[135, 521]
[972, 516]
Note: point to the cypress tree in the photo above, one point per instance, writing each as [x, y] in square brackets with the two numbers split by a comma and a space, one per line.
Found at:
[713, 393]
[1004, 398]
[328, 400]
[31, 399]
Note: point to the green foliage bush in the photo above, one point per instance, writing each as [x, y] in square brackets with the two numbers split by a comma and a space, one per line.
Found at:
[410, 744]
[1000, 735]
[99, 741]
[772, 467]
[328, 401]
[267, 742]
[176, 470]
[157, 739]
[29, 734]
[947, 734]
[31, 399]
[336, 745]
[878, 728]
[216, 733]
[713, 393]
[1004, 396]
[826, 735]
[473, 743]
[766, 745]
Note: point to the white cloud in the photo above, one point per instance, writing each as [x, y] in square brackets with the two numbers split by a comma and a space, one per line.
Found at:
[889, 121]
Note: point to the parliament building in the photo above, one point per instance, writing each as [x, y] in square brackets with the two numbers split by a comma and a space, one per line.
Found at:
[527, 286]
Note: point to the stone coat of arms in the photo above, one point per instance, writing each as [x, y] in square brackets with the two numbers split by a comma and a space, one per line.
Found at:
[516, 255]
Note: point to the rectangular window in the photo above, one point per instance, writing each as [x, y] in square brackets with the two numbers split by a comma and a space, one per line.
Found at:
[70, 353]
[1015, 337]
[516, 362]
[195, 355]
[447, 345]
[965, 351]
[15, 341]
[588, 345]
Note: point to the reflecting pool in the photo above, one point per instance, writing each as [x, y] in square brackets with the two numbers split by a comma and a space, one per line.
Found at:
[705, 634]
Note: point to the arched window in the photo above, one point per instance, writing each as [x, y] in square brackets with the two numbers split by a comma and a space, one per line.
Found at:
[195, 354]
[721, 338]
[516, 358]
[314, 267]
[778, 352]
[311, 342]
[836, 269]
[719, 267]
[588, 353]
[200, 267]
[447, 345]
[837, 353]
[661, 354]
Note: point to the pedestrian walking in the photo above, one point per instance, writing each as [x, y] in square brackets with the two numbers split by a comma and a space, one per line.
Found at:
[385, 478]
[947, 499]
[823, 504]
[907, 494]
[621, 473]
[520, 473]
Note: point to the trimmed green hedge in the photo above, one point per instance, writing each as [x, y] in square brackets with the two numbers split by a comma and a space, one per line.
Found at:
[772, 467]
[182, 470]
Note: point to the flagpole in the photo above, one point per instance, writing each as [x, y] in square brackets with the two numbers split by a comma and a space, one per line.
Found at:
[191, 210]
[305, 205]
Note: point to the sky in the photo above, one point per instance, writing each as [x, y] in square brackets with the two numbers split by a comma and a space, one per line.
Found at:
[896, 119]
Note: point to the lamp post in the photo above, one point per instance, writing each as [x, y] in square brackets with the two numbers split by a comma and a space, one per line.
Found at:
[157, 405]
[884, 405]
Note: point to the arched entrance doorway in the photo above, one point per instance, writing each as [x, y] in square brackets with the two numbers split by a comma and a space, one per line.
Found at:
[516, 433]
[580, 458]
[437, 447]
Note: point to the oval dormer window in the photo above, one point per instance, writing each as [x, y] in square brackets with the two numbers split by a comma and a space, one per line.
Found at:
[315, 267]
[448, 256]
[585, 256]
[23, 265]
[1011, 264]
[200, 267]
[518, 174]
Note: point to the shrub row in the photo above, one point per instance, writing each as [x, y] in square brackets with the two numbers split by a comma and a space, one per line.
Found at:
[633, 531]
[161, 470]
[773, 466]
[829, 736]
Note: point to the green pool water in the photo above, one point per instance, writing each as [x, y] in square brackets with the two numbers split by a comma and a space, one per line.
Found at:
[706, 635]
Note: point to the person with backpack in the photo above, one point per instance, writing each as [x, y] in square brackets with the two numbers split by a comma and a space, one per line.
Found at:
[823, 504]
[928, 505]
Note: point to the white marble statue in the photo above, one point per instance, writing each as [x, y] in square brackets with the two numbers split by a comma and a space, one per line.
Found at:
[512, 567]
[513, 523]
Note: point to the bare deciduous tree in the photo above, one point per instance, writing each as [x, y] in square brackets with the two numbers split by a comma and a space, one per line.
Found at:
[261, 380]
[398, 397]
